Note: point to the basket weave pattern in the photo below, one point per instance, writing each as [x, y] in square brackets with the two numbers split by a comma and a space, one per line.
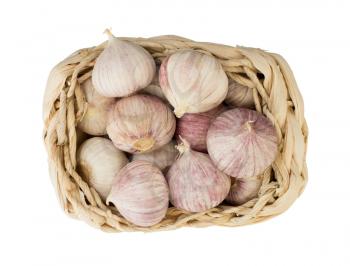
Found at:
[276, 95]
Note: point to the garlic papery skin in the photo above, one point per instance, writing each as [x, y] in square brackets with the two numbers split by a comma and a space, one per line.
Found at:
[122, 68]
[154, 88]
[242, 142]
[243, 190]
[239, 95]
[94, 121]
[99, 161]
[162, 158]
[194, 127]
[193, 82]
[140, 123]
[195, 184]
[140, 193]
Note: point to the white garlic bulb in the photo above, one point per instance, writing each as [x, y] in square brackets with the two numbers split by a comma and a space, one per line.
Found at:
[195, 184]
[99, 161]
[242, 142]
[140, 123]
[243, 190]
[239, 95]
[94, 121]
[162, 158]
[140, 193]
[154, 88]
[122, 68]
[193, 82]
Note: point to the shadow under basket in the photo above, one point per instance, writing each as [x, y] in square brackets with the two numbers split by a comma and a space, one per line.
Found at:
[276, 95]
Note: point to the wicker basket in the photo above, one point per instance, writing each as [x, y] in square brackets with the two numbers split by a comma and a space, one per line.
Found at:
[276, 96]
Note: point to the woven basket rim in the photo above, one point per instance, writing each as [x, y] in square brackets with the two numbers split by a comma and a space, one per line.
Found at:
[276, 96]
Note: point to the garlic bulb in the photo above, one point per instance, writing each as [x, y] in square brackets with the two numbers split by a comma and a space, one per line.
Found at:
[243, 190]
[162, 158]
[194, 182]
[239, 95]
[140, 123]
[193, 82]
[122, 68]
[94, 120]
[99, 161]
[242, 142]
[140, 193]
[154, 88]
[194, 127]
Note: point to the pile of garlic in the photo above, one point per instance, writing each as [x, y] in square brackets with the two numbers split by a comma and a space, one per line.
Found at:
[180, 134]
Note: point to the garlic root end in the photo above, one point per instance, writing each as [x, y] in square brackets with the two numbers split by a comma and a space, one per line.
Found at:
[144, 144]
[248, 125]
[180, 111]
[183, 146]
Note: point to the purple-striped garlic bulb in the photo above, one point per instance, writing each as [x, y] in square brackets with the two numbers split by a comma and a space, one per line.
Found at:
[140, 123]
[194, 127]
[195, 184]
[243, 190]
[162, 158]
[239, 95]
[193, 82]
[122, 68]
[99, 161]
[140, 193]
[94, 121]
[242, 142]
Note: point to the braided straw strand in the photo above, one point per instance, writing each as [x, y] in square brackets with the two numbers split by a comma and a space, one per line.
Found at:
[276, 95]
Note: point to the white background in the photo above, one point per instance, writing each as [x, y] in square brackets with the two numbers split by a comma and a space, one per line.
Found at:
[312, 36]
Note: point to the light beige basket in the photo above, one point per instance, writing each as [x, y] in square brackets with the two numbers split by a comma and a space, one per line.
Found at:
[276, 96]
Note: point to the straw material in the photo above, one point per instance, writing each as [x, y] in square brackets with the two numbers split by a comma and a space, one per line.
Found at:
[276, 96]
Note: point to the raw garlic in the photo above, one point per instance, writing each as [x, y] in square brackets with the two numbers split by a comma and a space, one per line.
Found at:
[194, 127]
[94, 121]
[140, 123]
[193, 82]
[99, 161]
[140, 193]
[243, 190]
[239, 95]
[242, 142]
[163, 157]
[122, 68]
[195, 184]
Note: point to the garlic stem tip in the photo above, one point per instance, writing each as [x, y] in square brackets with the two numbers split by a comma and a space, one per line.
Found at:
[183, 146]
[109, 34]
